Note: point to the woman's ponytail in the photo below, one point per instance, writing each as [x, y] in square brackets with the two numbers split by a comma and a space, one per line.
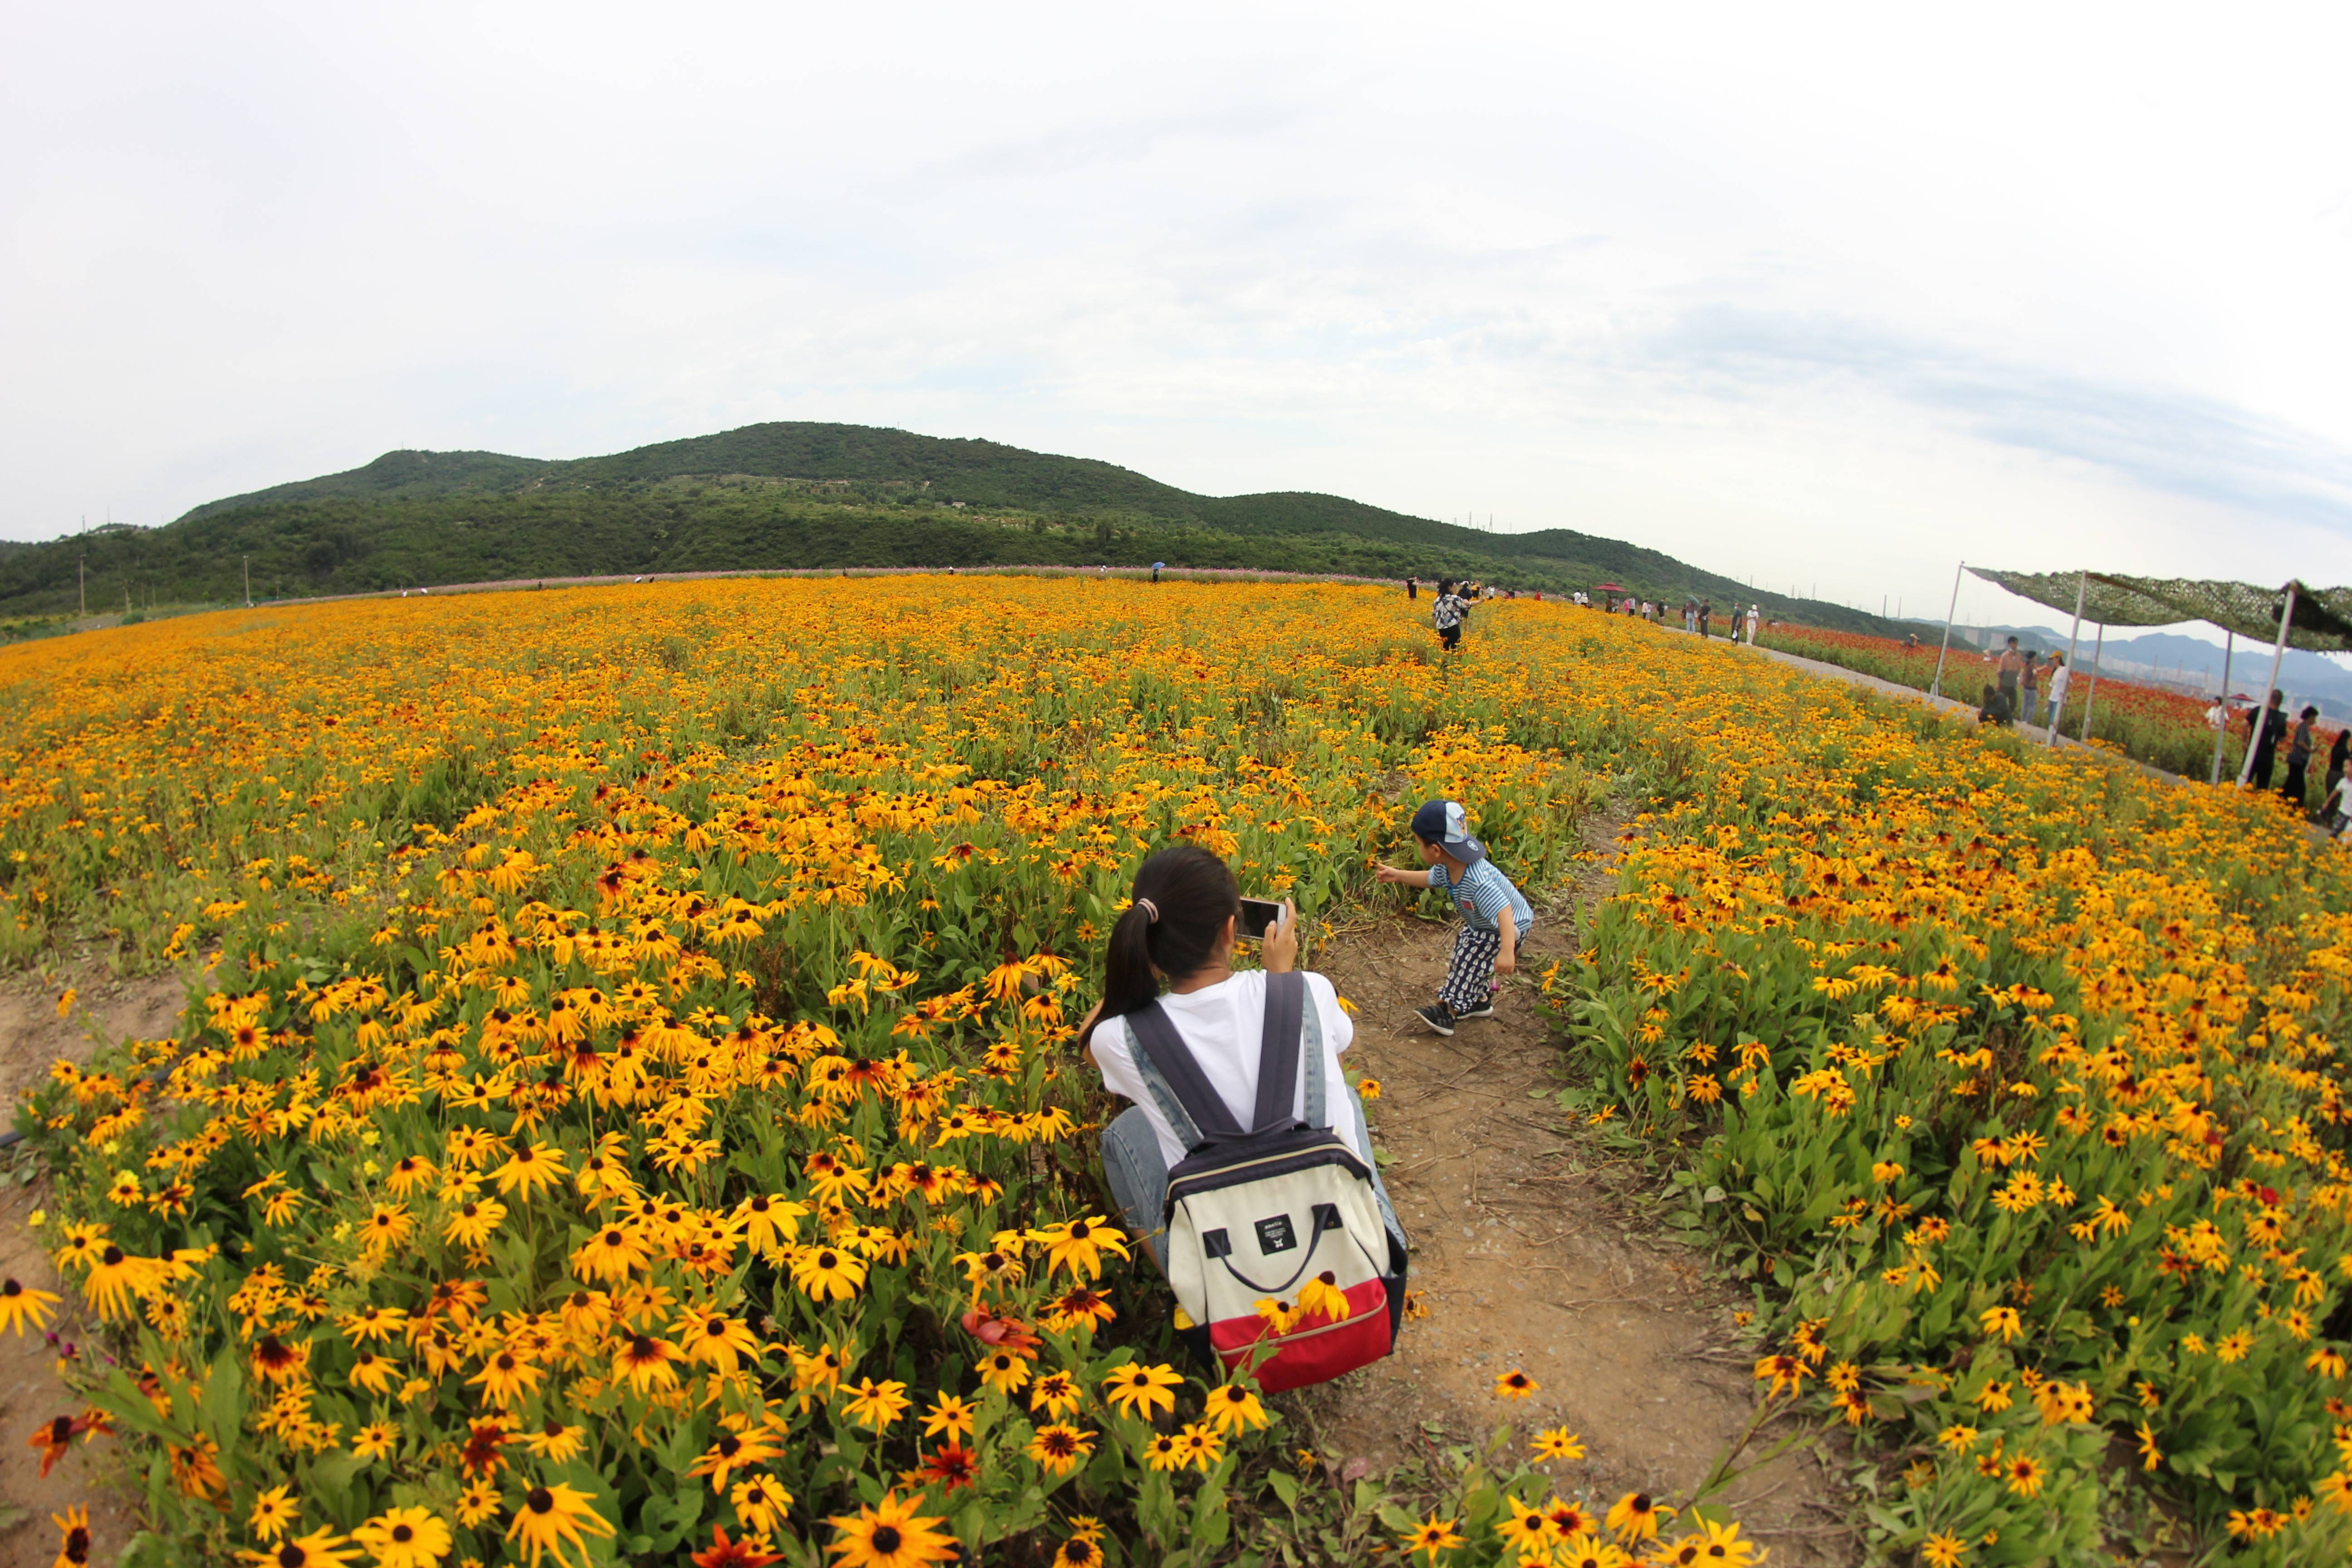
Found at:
[1183, 895]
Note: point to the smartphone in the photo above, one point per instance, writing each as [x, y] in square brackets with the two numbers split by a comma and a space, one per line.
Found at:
[1259, 916]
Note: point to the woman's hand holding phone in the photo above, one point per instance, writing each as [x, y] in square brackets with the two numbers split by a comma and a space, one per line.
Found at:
[1279, 946]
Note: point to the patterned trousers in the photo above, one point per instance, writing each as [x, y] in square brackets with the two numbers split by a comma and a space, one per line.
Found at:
[1470, 977]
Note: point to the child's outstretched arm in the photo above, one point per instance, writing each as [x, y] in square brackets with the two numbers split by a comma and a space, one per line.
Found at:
[1506, 957]
[1418, 877]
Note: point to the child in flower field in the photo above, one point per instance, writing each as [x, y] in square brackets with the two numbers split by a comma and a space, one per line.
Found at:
[1496, 916]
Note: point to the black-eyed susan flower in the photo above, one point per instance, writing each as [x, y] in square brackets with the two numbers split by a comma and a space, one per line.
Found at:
[320, 1548]
[1202, 1446]
[1525, 1533]
[1637, 1516]
[404, 1538]
[759, 1501]
[1140, 1391]
[1430, 1537]
[890, 1534]
[21, 1306]
[828, 1273]
[1059, 1447]
[734, 1450]
[948, 1416]
[717, 1340]
[611, 1254]
[505, 1377]
[1077, 1246]
[375, 1440]
[73, 1538]
[723, 1552]
[552, 1516]
[1557, 1443]
[1516, 1385]
[1230, 1407]
[646, 1362]
[874, 1405]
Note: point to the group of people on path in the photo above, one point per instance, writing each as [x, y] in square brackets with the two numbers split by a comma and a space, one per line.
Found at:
[2267, 726]
[1450, 609]
[2022, 690]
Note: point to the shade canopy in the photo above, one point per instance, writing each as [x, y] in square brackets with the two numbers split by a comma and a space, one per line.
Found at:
[2322, 623]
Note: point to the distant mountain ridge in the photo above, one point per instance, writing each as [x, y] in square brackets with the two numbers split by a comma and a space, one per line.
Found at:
[799, 494]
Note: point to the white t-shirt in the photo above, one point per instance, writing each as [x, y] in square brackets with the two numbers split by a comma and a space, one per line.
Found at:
[1222, 1025]
[2058, 682]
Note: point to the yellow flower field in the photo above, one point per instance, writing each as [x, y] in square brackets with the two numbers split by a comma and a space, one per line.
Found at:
[628, 1113]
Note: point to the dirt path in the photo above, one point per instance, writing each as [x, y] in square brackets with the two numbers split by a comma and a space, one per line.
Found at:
[1527, 1256]
[32, 1036]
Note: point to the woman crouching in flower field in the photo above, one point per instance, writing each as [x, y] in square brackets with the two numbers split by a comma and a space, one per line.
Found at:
[1230, 1073]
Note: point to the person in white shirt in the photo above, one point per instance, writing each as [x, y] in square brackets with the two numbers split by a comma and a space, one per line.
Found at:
[2054, 678]
[1755, 614]
[1181, 927]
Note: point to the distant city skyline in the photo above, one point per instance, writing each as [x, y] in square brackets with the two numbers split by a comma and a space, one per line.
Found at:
[1833, 300]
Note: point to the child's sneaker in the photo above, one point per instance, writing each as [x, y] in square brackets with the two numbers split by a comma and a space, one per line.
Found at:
[1437, 1017]
[1484, 1010]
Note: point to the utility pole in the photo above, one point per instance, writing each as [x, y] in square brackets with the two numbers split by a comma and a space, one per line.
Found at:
[248, 582]
[81, 566]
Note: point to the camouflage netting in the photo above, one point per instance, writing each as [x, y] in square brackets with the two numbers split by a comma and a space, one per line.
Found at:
[2322, 616]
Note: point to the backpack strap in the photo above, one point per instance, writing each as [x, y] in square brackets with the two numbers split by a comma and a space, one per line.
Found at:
[1278, 1049]
[1310, 1046]
[1196, 1113]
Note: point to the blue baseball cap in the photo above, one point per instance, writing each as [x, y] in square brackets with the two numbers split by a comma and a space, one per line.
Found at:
[1445, 824]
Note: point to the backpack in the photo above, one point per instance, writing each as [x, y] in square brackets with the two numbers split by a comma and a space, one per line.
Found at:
[1254, 1214]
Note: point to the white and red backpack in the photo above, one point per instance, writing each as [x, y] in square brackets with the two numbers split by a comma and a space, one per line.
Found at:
[1254, 1214]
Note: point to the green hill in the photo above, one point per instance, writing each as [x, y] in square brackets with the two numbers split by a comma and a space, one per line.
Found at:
[791, 495]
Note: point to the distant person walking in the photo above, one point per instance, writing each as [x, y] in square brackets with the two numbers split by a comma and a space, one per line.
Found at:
[1412, 587]
[2265, 727]
[1445, 613]
[2055, 680]
[1755, 619]
[2030, 708]
[1706, 608]
[2298, 757]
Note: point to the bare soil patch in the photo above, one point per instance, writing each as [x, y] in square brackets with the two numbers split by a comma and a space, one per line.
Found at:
[32, 1036]
[1528, 1255]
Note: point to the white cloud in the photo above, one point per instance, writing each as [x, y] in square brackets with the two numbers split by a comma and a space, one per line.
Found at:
[1834, 301]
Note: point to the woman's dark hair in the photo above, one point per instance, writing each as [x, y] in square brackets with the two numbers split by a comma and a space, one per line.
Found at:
[1194, 893]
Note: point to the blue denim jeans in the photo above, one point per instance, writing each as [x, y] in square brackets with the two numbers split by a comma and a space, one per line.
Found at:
[1138, 1174]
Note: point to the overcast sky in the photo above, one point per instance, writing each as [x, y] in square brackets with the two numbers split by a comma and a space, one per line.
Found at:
[1823, 296]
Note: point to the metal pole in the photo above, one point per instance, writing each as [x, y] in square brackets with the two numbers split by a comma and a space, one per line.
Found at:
[2262, 714]
[81, 567]
[1935, 687]
[248, 582]
[2229, 644]
[2098, 648]
[2074, 641]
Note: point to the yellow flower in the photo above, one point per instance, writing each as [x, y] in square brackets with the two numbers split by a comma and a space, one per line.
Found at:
[404, 1538]
[1557, 1443]
[890, 1534]
[1059, 1448]
[549, 1516]
[1516, 1385]
[274, 1513]
[1430, 1537]
[1138, 1390]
